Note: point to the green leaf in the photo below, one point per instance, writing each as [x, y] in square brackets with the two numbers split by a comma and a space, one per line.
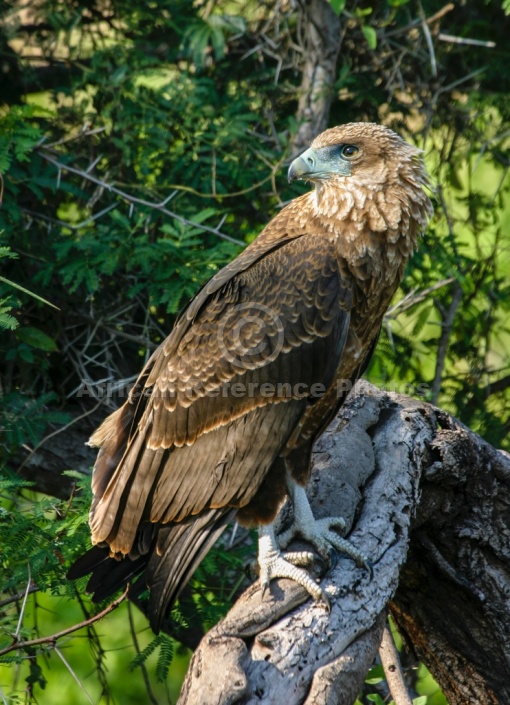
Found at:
[25, 354]
[7, 322]
[7, 252]
[422, 700]
[203, 215]
[338, 6]
[370, 36]
[36, 339]
[166, 655]
[375, 675]
[374, 698]
[141, 657]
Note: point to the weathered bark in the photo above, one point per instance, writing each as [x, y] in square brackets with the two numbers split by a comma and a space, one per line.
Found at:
[322, 45]
[429, 503]
[453, 599]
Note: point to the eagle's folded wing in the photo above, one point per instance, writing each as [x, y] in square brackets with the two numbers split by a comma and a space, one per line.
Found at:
[215, 406]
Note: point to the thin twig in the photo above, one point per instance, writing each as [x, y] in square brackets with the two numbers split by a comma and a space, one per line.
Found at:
[458, 82]
[429, 20]
[465, 40]
[54, 637]
[72, 138]
[140, 201]
[430, 46]
[71, 671]
[74, 228]
[442, 347]
[392, 668]
[18, 596]
[415, 297]
[133, 338]
[143, 667]
[24, 604]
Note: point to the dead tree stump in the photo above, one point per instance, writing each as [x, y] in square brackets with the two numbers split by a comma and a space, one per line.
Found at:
[428, 501]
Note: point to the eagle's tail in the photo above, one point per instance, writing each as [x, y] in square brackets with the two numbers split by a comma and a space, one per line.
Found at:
[165, 568]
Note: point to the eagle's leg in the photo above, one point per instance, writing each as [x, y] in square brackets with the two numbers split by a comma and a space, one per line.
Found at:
[275, 564]
[318, 532]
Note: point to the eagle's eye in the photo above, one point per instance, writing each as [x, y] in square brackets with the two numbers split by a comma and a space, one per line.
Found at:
[349, 151]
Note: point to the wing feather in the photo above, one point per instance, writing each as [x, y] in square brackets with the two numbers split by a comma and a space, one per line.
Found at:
[198, 444]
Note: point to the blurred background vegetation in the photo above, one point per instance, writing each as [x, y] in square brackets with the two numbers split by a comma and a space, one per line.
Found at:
[142, 145]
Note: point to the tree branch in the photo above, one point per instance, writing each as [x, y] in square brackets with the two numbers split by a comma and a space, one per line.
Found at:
[496, 387]
[397, 470]
[139, 201]
[53, 638]
[442, 348]
[392, 669]
[319, 71]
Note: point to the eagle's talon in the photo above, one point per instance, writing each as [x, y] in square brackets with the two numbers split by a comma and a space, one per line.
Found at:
[273, 564]
[264, 586]
[319, 533]
[332, 558]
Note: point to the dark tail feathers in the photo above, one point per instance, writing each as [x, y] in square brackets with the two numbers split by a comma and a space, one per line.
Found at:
[165, 568]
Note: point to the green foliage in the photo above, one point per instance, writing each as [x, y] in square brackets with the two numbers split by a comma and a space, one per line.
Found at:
[18, 136]
[370, 35]
[36, 538]
[338, 6]
[7, 321]
[165, 645]
[24, 419]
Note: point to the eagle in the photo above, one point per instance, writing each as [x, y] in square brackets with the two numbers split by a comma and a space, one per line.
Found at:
[222, 419]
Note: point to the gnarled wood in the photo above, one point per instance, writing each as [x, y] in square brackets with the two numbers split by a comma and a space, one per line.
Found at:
[322, 38]
[427, 500]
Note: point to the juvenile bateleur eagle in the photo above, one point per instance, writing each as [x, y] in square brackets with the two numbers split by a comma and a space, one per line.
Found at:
[222, 419]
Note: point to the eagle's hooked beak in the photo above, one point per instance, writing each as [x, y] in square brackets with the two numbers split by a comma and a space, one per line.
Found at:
[317, 165]
[303, 166]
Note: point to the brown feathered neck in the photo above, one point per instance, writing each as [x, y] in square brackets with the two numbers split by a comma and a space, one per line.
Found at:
[375, 215]
[384, 192]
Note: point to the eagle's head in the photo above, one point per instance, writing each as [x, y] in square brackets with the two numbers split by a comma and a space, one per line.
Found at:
[365, 173]
[370, 154]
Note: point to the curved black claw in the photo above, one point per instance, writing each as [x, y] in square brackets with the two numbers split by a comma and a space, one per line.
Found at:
[332, 557]
[265, 588]
[324, 563]
[368, 565]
